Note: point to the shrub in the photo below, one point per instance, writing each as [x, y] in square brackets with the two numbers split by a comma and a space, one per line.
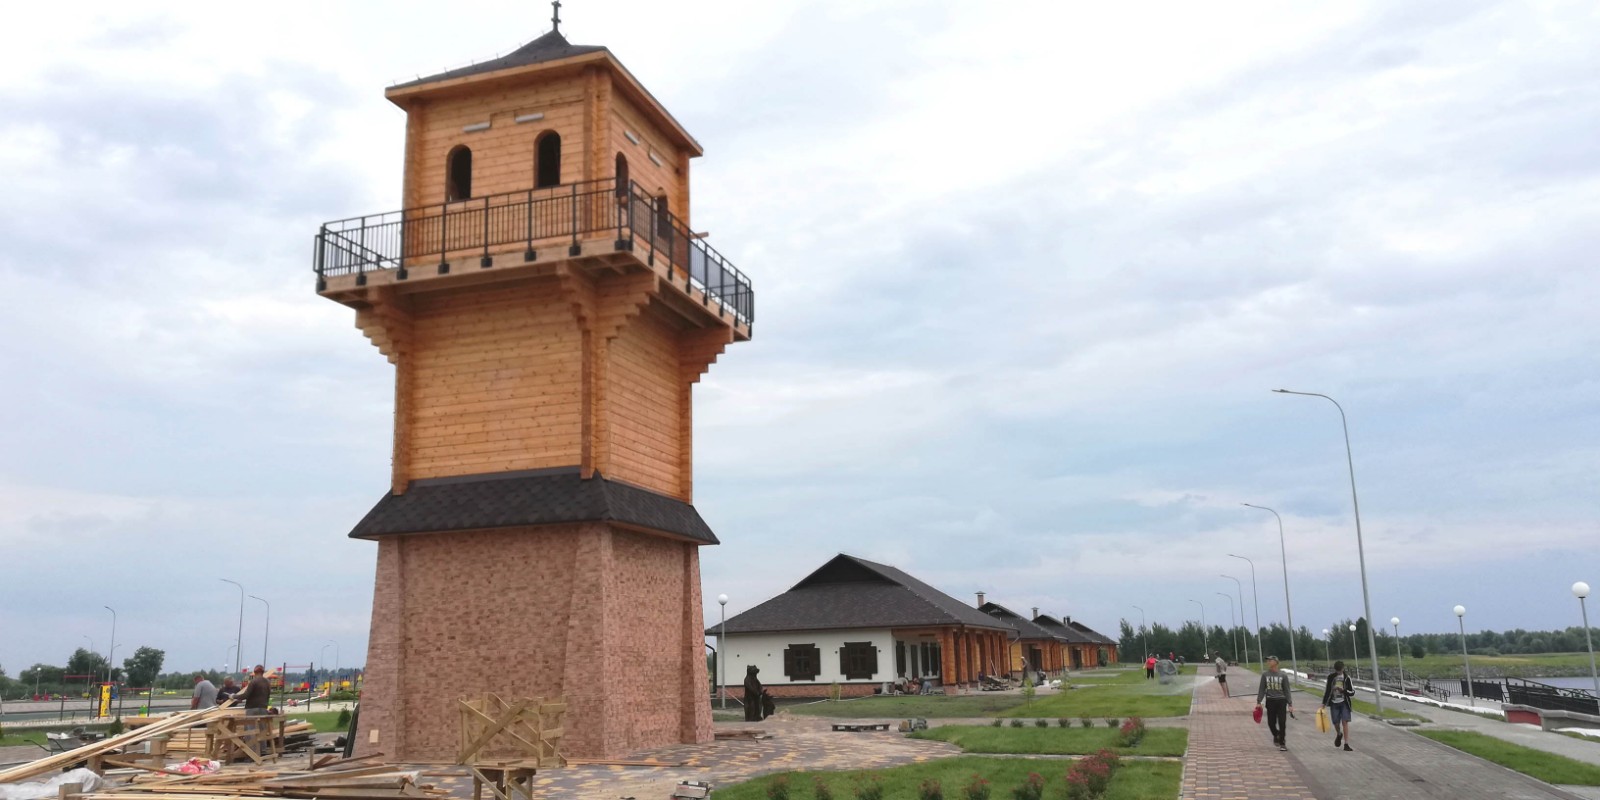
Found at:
[820, 789]
[1027, 688]
[1112, 722]
[116, 727]
[1016, 723]
[1085, 722]
[1041, 723]
[779, 788]
[1077, 785]
[997, 723]
[1091, 776]
[1131, 733]
[869, 788]
[930, 789]
[1064, 722]
[976, 789]
[1031, 789]
[344, 719]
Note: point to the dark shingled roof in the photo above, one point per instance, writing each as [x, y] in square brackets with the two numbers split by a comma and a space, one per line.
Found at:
[1065, 633]
[1092, 634]
[849, 592]
[1015, 620]
[532, 497]
[549, 47]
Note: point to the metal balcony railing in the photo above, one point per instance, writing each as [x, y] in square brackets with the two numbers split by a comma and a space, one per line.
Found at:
[484, 226]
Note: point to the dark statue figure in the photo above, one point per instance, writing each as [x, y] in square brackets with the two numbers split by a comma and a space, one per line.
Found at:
[758, 703]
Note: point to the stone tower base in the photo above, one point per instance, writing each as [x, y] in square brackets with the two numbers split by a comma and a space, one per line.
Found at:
[605, 616]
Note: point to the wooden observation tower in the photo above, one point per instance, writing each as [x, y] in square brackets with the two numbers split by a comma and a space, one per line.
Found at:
[547, 309]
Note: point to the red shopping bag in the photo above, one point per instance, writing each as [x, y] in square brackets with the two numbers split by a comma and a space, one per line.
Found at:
[1256, 715]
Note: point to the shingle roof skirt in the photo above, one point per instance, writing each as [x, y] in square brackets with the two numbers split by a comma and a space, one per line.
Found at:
[549, 47]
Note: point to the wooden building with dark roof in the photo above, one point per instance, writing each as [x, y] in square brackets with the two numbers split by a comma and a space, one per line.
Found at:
[861, 624]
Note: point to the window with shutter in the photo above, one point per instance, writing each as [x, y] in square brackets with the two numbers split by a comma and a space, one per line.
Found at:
[802, 662]
[858, 661]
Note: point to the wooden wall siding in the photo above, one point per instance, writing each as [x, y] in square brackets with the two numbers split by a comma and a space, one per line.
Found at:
[651, 178]
[495, 382]
[644, 419]
[503, 155]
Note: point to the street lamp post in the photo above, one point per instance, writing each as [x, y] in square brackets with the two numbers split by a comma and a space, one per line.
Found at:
[1255, 600]
[1327, 644]
[1288, 610]
[722, 652]
[1581, 591]
[334, 687]
[1361, 553]
[1144, 637]
[1205, 635]
[1461, 613]
[1244, 623]
[238, 639]
[1355, 650]
[112, 648]
[266, 631]
[1234, 627]
[1399, 659]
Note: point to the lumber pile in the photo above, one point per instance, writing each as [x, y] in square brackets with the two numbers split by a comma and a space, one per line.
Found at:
[346, 779]
[115, 744]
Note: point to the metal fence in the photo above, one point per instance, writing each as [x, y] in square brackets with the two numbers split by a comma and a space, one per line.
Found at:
[403, 240]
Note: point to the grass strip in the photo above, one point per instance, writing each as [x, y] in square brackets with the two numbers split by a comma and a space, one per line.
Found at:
[904, 707]
[1134, 780]
[1547, 767]
[1055, 741]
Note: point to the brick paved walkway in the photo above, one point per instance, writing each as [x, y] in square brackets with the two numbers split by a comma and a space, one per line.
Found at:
[1230, 756]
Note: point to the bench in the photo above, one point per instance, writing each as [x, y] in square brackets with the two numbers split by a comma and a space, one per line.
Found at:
[859, 727]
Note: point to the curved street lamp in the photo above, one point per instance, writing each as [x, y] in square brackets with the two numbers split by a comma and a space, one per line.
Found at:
[1144, 637]
[1244, 623]
[1288, 610]
[722, 652]
[1361, 552]
[1255, 601]
[112, 648]
[1205, 635]
[1580, 590]
[1399, 659]
[238, 639]
[1461, 613]
[1233, 630]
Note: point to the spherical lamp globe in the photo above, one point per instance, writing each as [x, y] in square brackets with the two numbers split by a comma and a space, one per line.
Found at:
[1580, 590]
[1461, 611]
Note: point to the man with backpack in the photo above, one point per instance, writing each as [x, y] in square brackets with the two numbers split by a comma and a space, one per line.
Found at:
[1336, 697]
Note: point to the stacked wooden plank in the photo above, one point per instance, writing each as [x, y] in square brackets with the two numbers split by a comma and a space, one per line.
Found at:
[115, 744]
[347, 779]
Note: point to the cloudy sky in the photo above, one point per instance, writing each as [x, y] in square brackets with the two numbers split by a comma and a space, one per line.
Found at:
[1025, 274]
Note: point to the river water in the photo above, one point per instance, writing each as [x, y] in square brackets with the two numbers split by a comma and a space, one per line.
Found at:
[1569, 682]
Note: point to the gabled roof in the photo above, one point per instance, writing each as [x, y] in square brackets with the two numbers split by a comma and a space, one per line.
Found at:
[544, 53]
[530, 497]
[1015, 620]
[1092, 634]
[1061, 631]
[850, 592]
[549, 47]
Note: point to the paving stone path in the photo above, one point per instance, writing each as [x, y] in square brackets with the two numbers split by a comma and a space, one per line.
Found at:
[1230, 756]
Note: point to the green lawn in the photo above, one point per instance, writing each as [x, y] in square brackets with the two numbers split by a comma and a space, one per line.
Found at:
[1126, 695]
[325, 721]
[1134, 780]
[1547, 767]
[1389, 711]
[932, 706]
[21, 738]
[1055, 741]
[1448, 665]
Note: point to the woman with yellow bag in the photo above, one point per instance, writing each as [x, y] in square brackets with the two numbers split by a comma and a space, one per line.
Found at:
[1336, 703]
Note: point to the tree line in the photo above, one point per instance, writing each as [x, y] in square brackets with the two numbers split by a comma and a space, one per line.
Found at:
[1190, 641]
[139, 670]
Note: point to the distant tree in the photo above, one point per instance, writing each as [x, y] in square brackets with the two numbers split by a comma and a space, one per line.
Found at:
[144, 665]
[84, 662]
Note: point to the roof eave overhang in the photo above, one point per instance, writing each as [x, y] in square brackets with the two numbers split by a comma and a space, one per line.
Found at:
[402, 96]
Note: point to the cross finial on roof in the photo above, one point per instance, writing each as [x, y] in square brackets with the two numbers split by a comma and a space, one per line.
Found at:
[556, 19]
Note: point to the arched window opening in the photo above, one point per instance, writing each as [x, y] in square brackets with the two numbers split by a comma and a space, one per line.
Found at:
[547, 167]
[622, 175]
[458, 177]
[663, 216]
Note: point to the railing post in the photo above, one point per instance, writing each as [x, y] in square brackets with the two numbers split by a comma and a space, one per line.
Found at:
[320, 257]
[620, 201]
[528, 254]
[361, 263]
[485, 262]
[574, 250]
[444, 237]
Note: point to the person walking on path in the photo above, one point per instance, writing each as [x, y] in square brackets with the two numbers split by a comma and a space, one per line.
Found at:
[1337, 699]
[205, 693]
[1150, 667]
[1274, 690]
[1222, 674]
